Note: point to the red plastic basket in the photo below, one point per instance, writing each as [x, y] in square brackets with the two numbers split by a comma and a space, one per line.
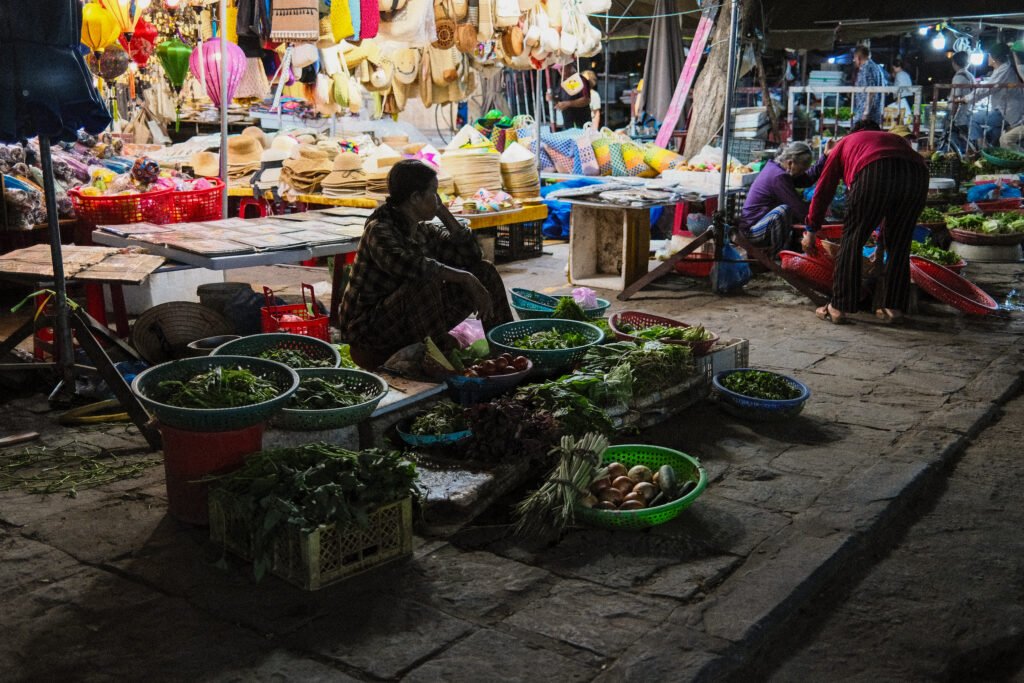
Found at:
[641, 320]
[816, 270]
[151, 207]
[950, 288]
[994, 205]
[981, 239]
[199, 205]
[312, 324]
[830, 231]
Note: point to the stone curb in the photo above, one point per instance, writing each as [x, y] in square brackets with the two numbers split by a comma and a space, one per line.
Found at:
[753, 607]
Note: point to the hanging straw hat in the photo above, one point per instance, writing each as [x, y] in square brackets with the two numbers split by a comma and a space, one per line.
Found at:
[257, 132]
[205, 164]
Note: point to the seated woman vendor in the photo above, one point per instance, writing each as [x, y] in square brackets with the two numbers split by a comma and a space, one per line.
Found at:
[773, 203]
[413, 279]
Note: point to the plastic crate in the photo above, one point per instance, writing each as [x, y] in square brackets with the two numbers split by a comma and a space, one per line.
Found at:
[518, 241]
[199, 205]
[325, 555]
[946, 168]
[313, 324]
[742, 149]
[148, 207]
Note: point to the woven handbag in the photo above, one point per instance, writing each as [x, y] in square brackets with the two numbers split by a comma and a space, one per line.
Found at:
[618, 163]
[445, 25]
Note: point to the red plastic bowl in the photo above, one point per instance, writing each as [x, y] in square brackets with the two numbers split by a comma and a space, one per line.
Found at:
[830, 231]
[950, 288]
[816, 270]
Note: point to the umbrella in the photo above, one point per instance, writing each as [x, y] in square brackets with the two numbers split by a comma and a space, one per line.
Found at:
[664, 59]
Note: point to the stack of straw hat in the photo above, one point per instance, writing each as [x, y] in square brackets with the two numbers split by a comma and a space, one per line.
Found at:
[244, 152]
[377, 184]
[347, 179]
[473, 169]
[519, 173]
[395, 141]
[306, 169]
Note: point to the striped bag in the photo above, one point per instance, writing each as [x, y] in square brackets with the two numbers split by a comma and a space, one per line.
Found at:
[633, 158]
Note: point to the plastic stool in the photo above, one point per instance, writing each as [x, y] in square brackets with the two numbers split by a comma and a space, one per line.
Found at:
[262, 207]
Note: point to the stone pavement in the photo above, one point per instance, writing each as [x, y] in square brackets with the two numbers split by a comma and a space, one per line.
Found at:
[105, 586]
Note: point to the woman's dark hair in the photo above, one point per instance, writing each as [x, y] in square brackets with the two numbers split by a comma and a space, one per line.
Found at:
[999, 52]
[406, 178]
[897, 62]
[961, 59]
[865, 124]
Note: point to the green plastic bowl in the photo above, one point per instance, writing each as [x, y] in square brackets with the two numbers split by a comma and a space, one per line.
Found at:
[687, 467]
[545, 362]
[255, 344]
[1001, 163]
[215, 419]
[335, 418]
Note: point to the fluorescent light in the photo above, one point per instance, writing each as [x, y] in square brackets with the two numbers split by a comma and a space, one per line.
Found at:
[939, 41]
[923, 31]
[831, 60]
[977, 58]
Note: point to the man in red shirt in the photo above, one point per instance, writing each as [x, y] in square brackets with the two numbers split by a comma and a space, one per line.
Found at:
[888, 185]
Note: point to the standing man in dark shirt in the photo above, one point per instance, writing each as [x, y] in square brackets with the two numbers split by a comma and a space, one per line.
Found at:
[575, 105]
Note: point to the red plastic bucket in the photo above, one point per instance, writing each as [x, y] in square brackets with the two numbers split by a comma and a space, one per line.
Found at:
[191, 456]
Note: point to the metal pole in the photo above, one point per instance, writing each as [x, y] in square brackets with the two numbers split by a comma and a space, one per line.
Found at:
[223, 61]
[65, 351]
[729, 96]
[607, 65]
[538, 98]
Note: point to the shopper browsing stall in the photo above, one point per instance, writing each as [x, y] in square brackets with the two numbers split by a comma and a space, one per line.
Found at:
[867, 106]
[961, 110]
[574, 98]
[413, 279]
[888, 184]
[773, 203]
[1006, 103]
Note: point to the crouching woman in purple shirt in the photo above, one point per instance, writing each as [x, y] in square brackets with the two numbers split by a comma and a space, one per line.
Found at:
[773, 203]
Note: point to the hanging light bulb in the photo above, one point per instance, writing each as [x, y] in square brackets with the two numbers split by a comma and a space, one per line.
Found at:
[977, 57]
[923, 31]
[172, 4]
[939, 41]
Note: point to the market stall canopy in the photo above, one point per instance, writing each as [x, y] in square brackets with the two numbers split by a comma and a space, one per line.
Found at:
[819, 25]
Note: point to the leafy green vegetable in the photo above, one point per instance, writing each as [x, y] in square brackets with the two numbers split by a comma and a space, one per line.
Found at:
[970, 221]
[1005, 154]
[443, 418]
[931, 215]
[933, 253]
[311, 485]
[574, 413]
[294, 358]
[551, 339]
[221, 387]
[345, 351]
[316, 393]
[652, 365]
[568, 309]
[760, 384]
[695, 333]
[1005, 223]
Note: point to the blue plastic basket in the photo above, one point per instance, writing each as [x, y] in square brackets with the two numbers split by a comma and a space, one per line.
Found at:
[432, 439]
[748, 407]
[546, 361]
[335, 418]
[255, 344]
[217, 419]
[470, 390]
[531, 305]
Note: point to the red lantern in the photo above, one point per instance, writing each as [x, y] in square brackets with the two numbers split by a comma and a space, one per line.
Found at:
[143, 43]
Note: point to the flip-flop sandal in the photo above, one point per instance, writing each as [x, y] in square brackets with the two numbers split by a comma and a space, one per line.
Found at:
[887, 319]
[825, 314]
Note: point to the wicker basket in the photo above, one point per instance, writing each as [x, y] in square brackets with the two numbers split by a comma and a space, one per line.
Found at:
[687, 468]
[545, 362]
[164, 332]
[326, 555]
[950, 288]
[256, 344]
[335, 418]
[216, 419]
[642, 320]
[760, 409]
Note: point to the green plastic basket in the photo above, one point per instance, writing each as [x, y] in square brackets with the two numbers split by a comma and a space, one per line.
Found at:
[219, 419]
[1001, 163]
[528, 310]
[687, 467]
[545, 362]
[335, 418]
[255, 344]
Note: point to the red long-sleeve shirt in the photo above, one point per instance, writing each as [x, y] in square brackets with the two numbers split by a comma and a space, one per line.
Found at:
[848, 158]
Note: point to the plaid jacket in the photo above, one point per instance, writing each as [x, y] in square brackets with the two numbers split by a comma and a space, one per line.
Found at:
[870, 74]
[392, 253]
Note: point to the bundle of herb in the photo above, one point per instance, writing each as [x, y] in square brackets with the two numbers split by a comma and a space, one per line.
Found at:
[443, 418]
[311, 485]
[551, 508]
[695, 333]
[931, 215]
[652, 365]
[568, 309]
[294, 358]
[551, 339]
[221, 387]
[574, 413]
[760, 384]
[316, 393]
[505, 428]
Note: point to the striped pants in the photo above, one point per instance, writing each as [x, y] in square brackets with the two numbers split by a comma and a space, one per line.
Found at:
[890, 192]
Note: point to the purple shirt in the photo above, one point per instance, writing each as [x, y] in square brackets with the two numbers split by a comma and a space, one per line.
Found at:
[775, 187]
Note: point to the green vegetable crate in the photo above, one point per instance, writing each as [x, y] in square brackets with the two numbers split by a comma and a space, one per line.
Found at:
[326, 555]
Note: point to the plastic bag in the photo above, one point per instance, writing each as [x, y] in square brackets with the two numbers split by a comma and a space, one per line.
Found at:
[729, 277]
[585, 297]
[467, 332]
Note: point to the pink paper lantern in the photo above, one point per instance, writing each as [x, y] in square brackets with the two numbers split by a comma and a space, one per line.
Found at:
[205, 66]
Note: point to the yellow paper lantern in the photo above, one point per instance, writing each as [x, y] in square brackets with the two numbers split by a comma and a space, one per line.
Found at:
[99, 27]
[126, 12]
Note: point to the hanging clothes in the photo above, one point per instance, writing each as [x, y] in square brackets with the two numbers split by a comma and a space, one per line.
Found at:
[45, 86]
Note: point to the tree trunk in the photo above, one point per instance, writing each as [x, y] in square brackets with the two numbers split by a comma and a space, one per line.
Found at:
[709, 91]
